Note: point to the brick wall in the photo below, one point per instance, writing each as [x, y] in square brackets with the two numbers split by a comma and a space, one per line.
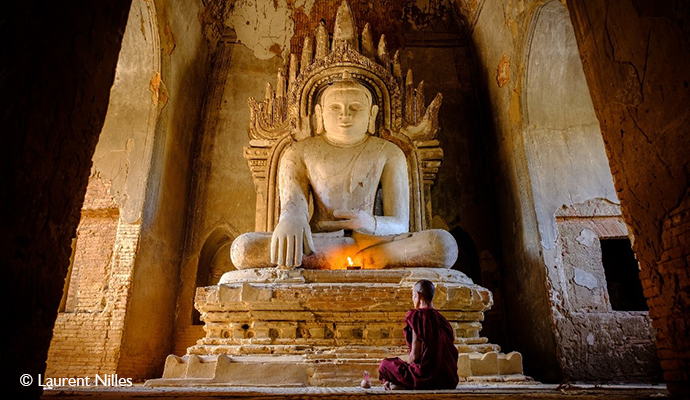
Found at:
[88, 334]
[90, 269]
[187, 337]
[667, 290]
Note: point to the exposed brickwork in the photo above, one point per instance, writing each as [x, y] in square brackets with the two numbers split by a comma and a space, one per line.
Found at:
[667, 290]
[89, 277]
[187, 337]
[88, 335]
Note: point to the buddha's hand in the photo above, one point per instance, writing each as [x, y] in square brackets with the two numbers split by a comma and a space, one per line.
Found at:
[352, 220]
[290, 241]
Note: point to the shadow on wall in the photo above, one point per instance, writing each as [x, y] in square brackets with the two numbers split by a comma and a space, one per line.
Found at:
[468, 259]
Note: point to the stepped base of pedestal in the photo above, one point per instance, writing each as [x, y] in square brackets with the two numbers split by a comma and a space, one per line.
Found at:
[299, 371]
[275, 327]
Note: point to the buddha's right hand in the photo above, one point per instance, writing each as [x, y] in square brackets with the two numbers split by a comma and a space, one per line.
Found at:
[290, 241]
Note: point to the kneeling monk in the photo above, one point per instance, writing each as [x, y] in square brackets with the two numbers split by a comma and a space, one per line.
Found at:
[433, 359]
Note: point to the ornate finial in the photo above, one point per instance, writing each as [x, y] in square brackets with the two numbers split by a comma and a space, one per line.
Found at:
[344, 30]
[368, 43]
[409, 98]
[397, 68]
[321, 41]
[269, 91]
[382, 55]
[294, 70]
[419, 103]
[307, 52]
[280, 86]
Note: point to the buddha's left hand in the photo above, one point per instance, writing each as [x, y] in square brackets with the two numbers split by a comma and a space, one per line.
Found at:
[350, 220]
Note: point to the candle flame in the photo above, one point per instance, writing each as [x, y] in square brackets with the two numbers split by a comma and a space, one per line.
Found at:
[349, 261]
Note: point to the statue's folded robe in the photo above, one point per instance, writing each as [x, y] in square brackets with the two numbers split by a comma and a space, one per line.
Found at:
[437, 367]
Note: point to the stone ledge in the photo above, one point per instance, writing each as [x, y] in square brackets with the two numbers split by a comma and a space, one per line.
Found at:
[302, 371]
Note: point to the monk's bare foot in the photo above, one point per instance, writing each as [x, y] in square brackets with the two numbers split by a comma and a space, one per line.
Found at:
[392, 386]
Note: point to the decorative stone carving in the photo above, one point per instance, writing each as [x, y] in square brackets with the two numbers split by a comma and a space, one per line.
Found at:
[272, 327]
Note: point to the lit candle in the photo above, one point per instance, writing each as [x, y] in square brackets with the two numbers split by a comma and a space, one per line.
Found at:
[351, 264]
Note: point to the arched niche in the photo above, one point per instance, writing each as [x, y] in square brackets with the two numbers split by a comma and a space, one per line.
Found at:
[565, 152]
[214, 260]
[468, 259]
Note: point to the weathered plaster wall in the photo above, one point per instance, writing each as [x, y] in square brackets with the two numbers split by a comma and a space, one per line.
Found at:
[499, 35]
[567, 165]
[596, 342]
[563, 145]
[88, 332]
[265, 27]
[549, 154]
[123, 153]
[635, 57]
[148, 326]
[224, 195]
[57, 73]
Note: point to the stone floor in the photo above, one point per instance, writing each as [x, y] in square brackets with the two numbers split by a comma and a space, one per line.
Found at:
[469, 392]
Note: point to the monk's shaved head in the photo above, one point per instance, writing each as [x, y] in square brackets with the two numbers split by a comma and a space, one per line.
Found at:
[425, 289]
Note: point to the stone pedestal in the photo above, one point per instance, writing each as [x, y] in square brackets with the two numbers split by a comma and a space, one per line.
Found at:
[272, 327]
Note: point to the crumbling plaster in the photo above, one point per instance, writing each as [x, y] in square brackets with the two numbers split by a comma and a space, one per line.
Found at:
[123, 153]
[263, 26]
[596, 342]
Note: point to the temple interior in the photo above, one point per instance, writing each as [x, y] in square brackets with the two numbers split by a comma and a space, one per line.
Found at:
[565, 177]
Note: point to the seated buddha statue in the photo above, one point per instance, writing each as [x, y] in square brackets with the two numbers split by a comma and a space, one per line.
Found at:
[341, 169]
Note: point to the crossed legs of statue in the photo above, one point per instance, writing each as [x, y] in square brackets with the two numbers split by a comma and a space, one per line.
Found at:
[434, 248]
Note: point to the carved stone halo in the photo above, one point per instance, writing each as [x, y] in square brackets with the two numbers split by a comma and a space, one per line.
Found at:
[288, 108]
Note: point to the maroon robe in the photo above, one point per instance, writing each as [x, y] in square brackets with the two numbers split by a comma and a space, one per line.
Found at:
[437, 366]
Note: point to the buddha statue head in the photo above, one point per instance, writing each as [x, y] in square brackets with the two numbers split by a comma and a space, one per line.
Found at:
[346, 112]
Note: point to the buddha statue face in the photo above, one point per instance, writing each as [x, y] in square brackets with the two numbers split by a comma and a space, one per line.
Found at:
[346, 112]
